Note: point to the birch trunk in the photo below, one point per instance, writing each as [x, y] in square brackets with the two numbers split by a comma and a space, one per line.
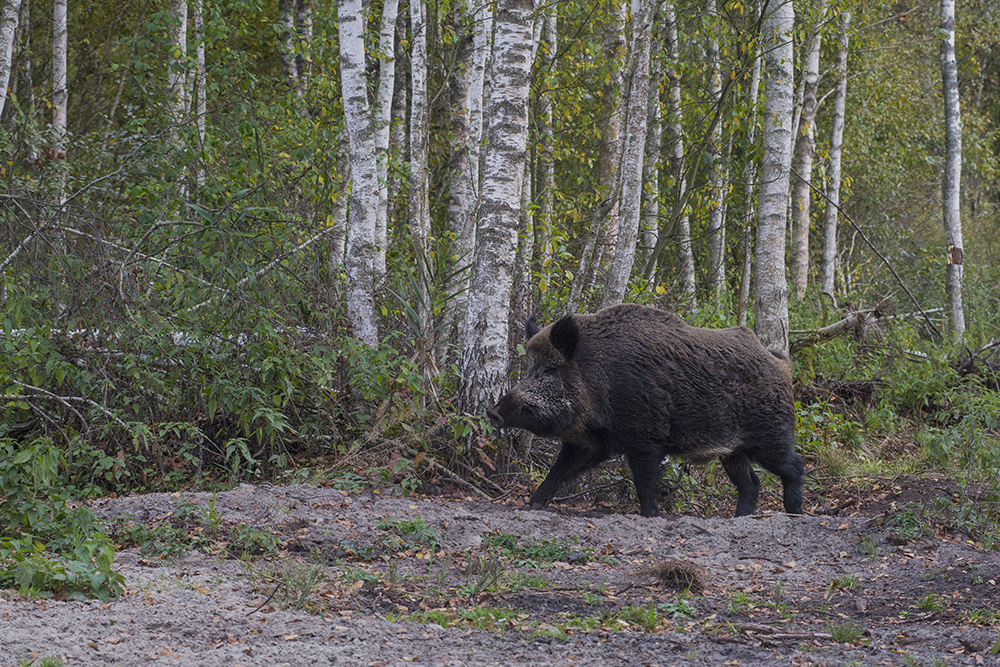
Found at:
[482, 47]
[286, 37]
[771, 288]
[604, 222]
[717, 177]
[485, 353]
[385, 101]
[546, 143]
[650, 171]
[802, 160]
[60, 94]
[610, 155]
[304, 30]
[952, 178]
[419, 213]
[360, 257]
[675, 151]
[616, 285]
[176, 74]
[749, 189]
[9, 16]
[201, 105]
[829, 267]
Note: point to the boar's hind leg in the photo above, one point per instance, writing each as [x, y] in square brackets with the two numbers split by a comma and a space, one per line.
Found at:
[787, 465]
[646, 473]
[571, 461]
[745, 480]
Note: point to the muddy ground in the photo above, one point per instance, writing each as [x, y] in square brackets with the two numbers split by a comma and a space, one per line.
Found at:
[367, 579]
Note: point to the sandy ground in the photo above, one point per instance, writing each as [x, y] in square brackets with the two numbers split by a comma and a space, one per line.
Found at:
[764, 590]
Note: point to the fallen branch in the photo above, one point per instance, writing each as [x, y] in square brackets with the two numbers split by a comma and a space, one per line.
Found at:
[853, 320]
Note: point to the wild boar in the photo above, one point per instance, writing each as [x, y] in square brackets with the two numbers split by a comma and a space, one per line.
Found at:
[642, 382]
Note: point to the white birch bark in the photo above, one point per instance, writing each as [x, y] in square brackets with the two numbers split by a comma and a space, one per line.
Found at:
[717, 176]
[802, 158]
[675, 153]
[546, 142]
[749, 189]
[616, 285]
[360, 257]
[771, 287]
[611, 129]
[604, 222]
[830, 216]
[485, 354]
[60, 93]
[650, 227]
[482, 48]
[419, 212]
[338, 215]
[952, 177]
[286, 38]
[383, 129]
[201, 103]
[177, 60]
[304, 31]
[9, 16]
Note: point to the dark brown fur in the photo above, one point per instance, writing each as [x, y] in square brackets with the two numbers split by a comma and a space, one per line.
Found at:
[641, 382]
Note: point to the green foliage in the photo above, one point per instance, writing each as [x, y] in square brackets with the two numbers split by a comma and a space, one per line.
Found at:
[48, 546]
[407, 533]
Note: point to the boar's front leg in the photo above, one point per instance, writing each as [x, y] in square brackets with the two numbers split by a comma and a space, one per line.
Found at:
[740, 471]
[571, 461]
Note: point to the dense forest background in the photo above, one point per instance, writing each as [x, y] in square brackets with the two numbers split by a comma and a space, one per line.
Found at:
[177, 202]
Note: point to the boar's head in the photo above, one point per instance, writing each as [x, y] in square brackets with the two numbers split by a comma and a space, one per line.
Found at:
[547, 399]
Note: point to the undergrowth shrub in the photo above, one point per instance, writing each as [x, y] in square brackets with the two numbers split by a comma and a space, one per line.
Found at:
[48, 546]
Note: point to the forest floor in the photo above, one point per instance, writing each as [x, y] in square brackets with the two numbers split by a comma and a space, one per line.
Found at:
[362, 578]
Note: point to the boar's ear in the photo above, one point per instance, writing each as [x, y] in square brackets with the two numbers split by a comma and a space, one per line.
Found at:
[530, 328]
[564, 336]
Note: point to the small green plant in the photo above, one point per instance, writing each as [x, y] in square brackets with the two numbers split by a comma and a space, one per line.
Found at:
[846, 632]
[930, 602]
[679, 608]
[983, 616]
[247, 541]
[354, 574]
[402, 533]
[645, 618]
[867, 547]
[44, 661]
[909, 523]
[291, 585]
[533, 553]
[739, 603]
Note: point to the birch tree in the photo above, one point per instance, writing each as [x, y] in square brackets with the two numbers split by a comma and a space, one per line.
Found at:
[360, 255]
[717, 176]
[802, 158]
[419, 212]
[201, 103]
[546, 139]
[952, 178]
[383, 128]
[771, 288]
[675, 153]
[485, 354]
[286, 37]
[833, 175]
[749, 188]
[176, 69]
[60, 93]
[635, 143]
[9, 15]
[304, 30]
[650, 227]
[604, 218]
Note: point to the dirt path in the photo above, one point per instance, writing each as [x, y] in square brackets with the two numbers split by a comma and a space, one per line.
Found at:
[369, 580]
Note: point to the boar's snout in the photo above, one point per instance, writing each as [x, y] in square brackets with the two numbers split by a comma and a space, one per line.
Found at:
[506, 407]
